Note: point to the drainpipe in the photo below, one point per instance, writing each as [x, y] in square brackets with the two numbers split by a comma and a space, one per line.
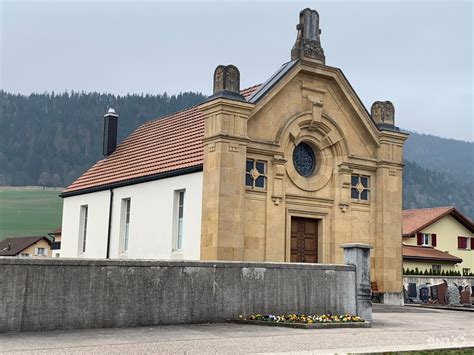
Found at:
[110, 223]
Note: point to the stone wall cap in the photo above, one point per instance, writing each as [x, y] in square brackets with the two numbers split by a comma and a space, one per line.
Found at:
[51, 262]
[356, 245]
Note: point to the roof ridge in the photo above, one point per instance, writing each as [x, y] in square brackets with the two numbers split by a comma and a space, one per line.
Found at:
[24, 236]
[170, 114]
[428, 208]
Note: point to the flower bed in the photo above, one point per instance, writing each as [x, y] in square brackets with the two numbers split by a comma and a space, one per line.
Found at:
[305, 321]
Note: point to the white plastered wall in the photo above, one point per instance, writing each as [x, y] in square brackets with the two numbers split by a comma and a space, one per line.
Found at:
[152, 220]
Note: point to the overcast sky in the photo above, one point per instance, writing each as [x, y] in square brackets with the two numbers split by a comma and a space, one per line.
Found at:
[419, 55]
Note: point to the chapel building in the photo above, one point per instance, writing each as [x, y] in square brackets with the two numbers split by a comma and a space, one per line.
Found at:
[285, 171]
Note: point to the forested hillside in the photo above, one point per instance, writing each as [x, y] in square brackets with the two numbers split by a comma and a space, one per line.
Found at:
[441, 154]
[50, 139]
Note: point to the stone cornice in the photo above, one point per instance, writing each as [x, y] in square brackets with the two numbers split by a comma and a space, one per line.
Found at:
[226, 105]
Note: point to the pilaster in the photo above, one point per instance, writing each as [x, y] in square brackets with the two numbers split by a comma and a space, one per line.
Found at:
[225, 142]
[388, 241]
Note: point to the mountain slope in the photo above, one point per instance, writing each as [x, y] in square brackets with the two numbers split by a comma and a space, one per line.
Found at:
[451, 156]
[426, 188]
[50, 139]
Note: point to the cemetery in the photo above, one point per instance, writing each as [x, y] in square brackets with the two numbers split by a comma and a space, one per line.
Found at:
[440, 294]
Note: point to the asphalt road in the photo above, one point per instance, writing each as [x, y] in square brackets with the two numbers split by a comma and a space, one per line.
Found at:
[394, 329]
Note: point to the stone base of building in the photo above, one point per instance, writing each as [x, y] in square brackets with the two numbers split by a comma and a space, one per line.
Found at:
[392, 298]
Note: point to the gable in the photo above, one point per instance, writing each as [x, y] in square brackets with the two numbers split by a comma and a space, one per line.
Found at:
[448, 225]
[14, 246]
[323, 97]
[416, 220]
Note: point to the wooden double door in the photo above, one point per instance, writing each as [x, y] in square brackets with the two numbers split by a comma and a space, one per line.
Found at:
[304, 240]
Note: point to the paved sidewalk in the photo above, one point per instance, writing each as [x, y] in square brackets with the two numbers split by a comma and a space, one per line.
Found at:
[394, 329]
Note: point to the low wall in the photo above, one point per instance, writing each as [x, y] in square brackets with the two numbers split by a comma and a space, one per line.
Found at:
[49, 294]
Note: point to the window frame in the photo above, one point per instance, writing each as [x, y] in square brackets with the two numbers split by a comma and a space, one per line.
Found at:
[125, 212]
[248, 174]
[466, 271]
[178, 220]
[436, 268]
[465, 239]
[83, 226]
[428, 239]
[359, 194]
[43, 251]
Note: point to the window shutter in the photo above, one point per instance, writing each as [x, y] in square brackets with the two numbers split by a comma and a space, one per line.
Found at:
[462, 242]
[433, 240]
[419, 238]
[472, 243]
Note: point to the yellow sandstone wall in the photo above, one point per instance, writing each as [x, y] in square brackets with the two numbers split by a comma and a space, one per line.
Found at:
[312, 104]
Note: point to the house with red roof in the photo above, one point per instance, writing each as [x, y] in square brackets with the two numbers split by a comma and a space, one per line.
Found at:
[287, 171]
[438, 239]
[38, 246]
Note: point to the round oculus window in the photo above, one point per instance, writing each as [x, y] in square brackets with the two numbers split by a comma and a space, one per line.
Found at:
[304, 160]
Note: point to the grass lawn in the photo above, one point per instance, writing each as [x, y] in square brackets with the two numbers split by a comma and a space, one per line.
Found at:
[28, 211]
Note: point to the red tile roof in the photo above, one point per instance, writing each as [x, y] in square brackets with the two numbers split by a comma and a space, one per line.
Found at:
[163, 145]
[171, 144]
[14, 246]
[416, 220]
[428, 253]
[249, 91]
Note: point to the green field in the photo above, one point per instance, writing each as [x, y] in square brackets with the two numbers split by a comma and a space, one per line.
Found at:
[28, 211]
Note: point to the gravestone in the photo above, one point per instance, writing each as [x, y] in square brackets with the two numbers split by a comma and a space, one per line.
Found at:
[465, 296]
[453, 296]
[424, 294]
[434, 293]
[412, 292]
[441, 292]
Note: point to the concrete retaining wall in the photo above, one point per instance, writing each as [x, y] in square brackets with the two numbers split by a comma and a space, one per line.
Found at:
[39, 294]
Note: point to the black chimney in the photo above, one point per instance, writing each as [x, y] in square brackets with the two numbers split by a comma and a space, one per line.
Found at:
[110, 132]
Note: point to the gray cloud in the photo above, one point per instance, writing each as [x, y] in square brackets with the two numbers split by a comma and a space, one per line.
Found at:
[419, 55]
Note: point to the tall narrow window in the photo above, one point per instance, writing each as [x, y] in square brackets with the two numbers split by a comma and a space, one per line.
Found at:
[83, 229]
[426, 240]
[179, 213]
[125, 225]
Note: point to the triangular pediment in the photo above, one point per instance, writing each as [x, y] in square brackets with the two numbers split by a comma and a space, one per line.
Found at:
[314, 91]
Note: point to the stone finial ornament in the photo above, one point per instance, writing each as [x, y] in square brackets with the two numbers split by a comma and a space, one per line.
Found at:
[308, 44]
[383, 113]
[226, 78]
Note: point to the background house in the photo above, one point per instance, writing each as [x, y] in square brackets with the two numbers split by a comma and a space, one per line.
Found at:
[26, 246]
[439, 239]
[56, 242]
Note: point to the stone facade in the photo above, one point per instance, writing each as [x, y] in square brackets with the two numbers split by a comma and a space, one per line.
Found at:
[313, 104]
